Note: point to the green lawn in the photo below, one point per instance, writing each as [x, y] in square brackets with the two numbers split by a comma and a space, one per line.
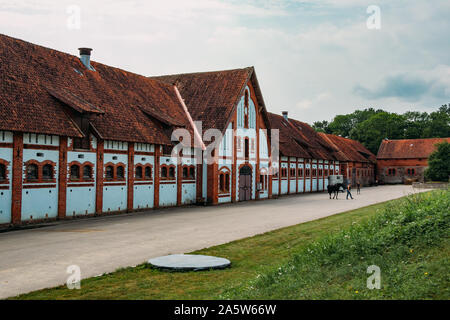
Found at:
[261, 266]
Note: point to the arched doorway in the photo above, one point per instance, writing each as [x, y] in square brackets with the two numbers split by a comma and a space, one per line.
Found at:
[245, 183]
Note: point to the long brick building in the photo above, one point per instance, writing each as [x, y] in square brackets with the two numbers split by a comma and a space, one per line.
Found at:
[400, 160]
[81, 138]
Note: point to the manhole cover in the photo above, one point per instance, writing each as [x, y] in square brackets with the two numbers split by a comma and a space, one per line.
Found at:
[189, 262]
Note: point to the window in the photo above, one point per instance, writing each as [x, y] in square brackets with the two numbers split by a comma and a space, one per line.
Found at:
[320, 172]
[32, 172]
[74, 172]
[246, 109]
[292, 170]
[47, 172]
[246, 149]
[224, 182]
[300, 172]
[227, 182]
[221, 182]
[283, 172]
[164, 172]
[120, 172]
[413, 172]
[87, 172]
[185, 172]
[139, 172]
[148, 172]
[172, 172]
[308, 172]
[314, 172]
[2, 172]
[109, 173]
[192, 172]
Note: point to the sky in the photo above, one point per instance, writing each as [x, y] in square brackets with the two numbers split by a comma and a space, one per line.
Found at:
[313, 58]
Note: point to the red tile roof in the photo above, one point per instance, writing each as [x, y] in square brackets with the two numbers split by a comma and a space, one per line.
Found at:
[211, 97]
[28, 72]
[319, 148]
[408, 148]
[291, 144]
[349, 149]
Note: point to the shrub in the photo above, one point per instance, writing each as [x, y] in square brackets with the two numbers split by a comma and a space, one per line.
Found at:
[439, 163]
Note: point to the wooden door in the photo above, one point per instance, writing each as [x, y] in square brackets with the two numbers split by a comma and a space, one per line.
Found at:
[245, 183]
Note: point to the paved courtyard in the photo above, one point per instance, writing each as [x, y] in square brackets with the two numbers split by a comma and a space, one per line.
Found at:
[38, 258]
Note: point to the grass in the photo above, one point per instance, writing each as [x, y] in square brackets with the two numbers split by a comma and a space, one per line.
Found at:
[262, 265]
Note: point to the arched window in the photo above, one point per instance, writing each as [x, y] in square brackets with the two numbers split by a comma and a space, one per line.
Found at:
[2, 172]
[74, 172]
[109, 172]
[87, 172]
[47, 172]
[120, 172]
[172, 172]
[148, 172]
[185, 172]
[32, 172]
[139, 172]
[222, 182]
[192, 172]
[164, 172]
[227, 182]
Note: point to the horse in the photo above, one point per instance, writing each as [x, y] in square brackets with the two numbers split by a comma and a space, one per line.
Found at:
[335, 190]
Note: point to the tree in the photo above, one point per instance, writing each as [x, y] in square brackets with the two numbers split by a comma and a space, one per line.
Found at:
[343, 124]
[439, 164]
[378, 127]
[321, 126]
[439, 123]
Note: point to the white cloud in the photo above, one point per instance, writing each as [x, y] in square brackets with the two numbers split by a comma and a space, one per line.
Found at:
[309, 55]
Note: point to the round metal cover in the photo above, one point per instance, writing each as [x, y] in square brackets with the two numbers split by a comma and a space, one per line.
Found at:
[189, 262]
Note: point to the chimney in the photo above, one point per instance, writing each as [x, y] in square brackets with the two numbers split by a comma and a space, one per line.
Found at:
[285, 115]
[85, 57]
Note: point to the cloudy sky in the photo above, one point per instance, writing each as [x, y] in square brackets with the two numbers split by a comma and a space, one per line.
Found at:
[315, 59]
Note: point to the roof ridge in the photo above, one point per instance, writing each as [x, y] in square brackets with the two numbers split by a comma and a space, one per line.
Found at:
[201, 72]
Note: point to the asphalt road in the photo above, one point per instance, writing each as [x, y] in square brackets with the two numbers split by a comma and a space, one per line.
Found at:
[38, 258]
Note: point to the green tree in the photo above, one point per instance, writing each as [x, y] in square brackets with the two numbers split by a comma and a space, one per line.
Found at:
[415, 124]
[342, 124]
[378, 127]
[321, 126]
[439, 164]
[439, 123]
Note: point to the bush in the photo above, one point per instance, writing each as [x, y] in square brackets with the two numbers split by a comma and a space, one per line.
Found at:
[439, 163]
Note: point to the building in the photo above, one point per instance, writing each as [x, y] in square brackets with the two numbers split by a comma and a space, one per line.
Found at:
[402, 160]
[358, 162]
[307, 158]
[80, 138]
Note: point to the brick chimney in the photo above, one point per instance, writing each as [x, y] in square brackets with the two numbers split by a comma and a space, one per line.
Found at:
[285, 115]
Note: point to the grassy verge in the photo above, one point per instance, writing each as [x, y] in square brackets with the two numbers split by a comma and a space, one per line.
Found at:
[408, 241]
[257, 261]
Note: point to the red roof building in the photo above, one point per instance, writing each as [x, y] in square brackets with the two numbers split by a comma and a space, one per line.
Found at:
[399, 161]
